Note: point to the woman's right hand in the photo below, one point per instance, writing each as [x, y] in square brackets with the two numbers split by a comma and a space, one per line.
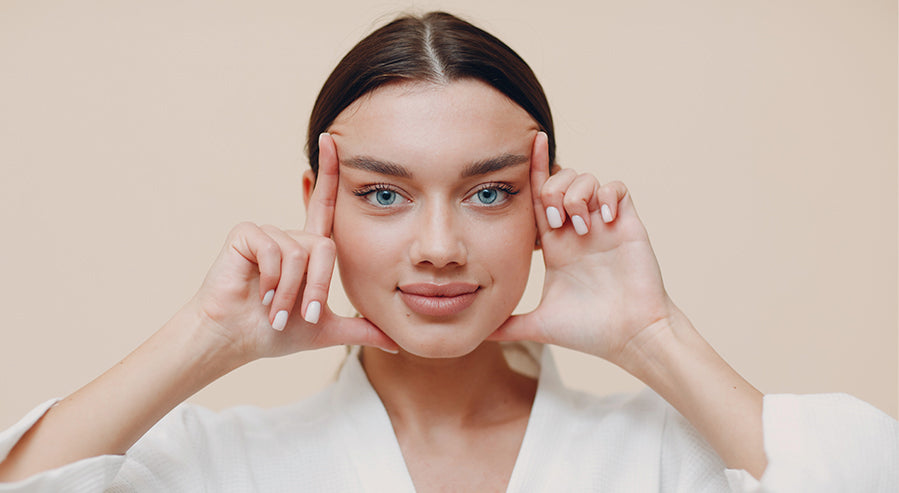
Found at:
[266, 294]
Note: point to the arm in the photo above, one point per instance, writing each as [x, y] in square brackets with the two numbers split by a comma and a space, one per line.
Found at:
[675, 361]
[603, 295]
[249, 307]
[109, 414]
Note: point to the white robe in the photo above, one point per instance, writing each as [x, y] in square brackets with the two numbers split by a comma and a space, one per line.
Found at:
[341, 440]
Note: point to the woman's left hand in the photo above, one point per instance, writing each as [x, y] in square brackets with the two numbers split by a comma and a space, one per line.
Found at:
[603, 288]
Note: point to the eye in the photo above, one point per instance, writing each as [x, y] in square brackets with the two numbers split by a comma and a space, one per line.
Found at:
[380, 195]
[494, 194]
[385, 197]
[488, 195]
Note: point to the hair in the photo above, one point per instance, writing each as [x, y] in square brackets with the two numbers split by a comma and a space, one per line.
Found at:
[438, 48]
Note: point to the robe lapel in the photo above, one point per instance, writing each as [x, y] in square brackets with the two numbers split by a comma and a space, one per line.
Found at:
[548, 459]
[367, 433]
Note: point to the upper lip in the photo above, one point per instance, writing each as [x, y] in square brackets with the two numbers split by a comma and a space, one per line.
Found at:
[431, 289]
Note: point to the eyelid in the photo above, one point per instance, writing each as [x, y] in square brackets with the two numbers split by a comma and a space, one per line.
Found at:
[374, 187]
[499, 185]
[506, 188]
[365, 191]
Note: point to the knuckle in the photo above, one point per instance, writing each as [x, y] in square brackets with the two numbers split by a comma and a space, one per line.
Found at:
[319, 287]
[270, 249]
[326, 246]
[572, 202]
[551, 195]
[296, 254]
[241, 227]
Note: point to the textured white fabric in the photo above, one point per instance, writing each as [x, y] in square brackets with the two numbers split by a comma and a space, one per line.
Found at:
[341, 440]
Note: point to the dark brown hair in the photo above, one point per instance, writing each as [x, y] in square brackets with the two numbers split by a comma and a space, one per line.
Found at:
[436, 47]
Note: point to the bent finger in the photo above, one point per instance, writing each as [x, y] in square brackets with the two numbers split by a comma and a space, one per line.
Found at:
[318, 279]
[580, 197]
[294, 258]
[552, 194]
[251, 243]
[609, 196]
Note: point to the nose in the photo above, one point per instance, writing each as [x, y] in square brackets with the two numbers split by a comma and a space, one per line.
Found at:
[439, 240]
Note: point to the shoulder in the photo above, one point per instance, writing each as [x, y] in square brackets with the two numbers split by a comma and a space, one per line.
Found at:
[194, 448]
[197, 421]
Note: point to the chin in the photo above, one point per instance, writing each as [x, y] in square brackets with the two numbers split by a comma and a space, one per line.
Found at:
[436, 340]
[436, 349]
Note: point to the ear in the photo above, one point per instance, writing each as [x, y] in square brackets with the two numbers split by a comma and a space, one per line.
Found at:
[308, 185]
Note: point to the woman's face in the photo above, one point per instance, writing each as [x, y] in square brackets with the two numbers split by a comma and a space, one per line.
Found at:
[434, 222]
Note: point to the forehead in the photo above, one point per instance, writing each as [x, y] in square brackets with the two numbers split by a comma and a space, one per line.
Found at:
[409, 123]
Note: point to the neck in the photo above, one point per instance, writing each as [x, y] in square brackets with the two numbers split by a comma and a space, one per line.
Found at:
[478, 389]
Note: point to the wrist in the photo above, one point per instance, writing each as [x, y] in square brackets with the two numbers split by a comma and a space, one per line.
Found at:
[205, 350]
[673, 359]
[658, 343]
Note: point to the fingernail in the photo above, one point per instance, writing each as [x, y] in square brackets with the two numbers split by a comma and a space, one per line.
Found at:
[554, 217]
[267, 299]
[395, 351]
[280, 320]
[580, 227]
[606, 213]
[313, 311]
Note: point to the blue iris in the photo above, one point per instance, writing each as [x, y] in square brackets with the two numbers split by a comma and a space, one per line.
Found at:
[385, 197]
[488, 195]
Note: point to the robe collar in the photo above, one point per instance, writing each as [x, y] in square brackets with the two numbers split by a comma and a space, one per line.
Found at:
[375, 452]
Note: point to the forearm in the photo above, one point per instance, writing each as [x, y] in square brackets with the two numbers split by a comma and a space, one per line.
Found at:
[675, 361]
[112, 412]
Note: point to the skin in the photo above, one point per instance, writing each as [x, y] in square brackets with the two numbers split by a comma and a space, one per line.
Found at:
[453, 402]
[437, 230]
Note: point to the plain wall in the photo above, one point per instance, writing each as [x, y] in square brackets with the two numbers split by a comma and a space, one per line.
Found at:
[758, 139]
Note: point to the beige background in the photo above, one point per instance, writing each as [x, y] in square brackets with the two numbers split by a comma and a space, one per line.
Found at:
[759, 140]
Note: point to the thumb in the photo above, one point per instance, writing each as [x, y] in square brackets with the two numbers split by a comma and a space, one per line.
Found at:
[356, 331]
[525, 327]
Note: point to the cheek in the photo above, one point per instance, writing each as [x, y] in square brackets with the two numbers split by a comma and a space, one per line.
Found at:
[367, 250]
[506, 247]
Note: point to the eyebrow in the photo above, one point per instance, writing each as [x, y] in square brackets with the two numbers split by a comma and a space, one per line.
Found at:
[368, 163]
[483, 167]
[490, 165]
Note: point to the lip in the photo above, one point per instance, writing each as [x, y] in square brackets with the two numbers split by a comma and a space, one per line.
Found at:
[438, 300]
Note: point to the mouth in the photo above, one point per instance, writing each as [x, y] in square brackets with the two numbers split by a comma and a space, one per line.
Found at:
[438, 300]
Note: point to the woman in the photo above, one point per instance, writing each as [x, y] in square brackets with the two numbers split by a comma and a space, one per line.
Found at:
[431, 148]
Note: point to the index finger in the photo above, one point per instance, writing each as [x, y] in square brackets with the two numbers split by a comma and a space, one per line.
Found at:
[320, 214]
[539, 175]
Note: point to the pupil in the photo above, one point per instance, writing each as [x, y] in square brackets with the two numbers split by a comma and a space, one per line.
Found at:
[385, 197]
[488, 196]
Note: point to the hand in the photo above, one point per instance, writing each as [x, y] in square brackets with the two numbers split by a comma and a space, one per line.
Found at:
[252, 294]
[603, 287]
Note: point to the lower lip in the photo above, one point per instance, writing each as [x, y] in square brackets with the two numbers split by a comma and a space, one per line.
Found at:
[438, 306]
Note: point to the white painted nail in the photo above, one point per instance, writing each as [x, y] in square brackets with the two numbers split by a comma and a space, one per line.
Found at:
[606, 213]
[580, 227]
[280, 320]
[269, 296]
[389, 351]
[553, 217]
[313, 311]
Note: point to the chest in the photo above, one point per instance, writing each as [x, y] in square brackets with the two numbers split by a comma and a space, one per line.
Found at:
[475, 460]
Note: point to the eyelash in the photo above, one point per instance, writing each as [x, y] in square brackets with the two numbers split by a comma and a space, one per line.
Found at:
[502, 187]
[377, 187]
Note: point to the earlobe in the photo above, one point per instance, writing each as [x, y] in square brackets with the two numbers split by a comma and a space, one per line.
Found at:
[308, 186]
